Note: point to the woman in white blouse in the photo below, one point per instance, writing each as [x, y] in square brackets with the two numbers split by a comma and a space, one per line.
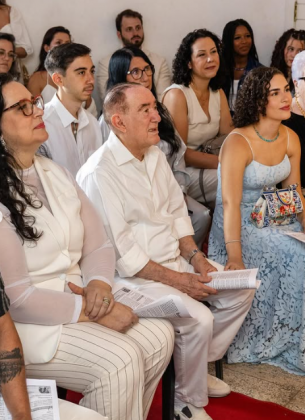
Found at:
[199, 108]
[53, 243]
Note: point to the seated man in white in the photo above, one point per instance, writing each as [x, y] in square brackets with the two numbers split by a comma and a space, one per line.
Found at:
[129, 25]
[132, 186]
[74, 133]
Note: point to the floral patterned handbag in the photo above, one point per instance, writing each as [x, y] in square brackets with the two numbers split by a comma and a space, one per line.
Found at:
[276, 207]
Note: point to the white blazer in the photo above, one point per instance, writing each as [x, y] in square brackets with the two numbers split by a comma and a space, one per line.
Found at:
[54, 258]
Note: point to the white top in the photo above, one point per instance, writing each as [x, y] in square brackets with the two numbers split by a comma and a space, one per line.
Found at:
[64, 149]
[17, 28]
[49, 91]
[142, 205]
[200, 128]
[30, 304]
[162, 76]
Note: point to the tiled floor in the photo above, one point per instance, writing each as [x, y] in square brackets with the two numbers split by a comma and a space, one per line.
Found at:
[265, 382]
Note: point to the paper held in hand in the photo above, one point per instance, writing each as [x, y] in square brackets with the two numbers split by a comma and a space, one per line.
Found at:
[144, 306]
[43, 400]
[235, 279]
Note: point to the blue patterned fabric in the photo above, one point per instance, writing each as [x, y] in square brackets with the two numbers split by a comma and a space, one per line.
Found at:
[274, 329]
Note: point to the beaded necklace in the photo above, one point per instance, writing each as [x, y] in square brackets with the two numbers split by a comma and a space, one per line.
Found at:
[263, 138]
[299, 106]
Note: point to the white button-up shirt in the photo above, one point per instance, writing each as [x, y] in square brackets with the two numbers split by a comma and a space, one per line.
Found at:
[64, 148]
[141, 203]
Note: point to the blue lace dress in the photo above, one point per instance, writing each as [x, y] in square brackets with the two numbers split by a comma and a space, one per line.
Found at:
[274, 329]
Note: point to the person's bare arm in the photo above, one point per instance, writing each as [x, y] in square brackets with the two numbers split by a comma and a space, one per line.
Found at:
[37, 82]
[176, 104]
[294, 154]
[235, 156]
[226, 124]
[12, 371]
[21, 53]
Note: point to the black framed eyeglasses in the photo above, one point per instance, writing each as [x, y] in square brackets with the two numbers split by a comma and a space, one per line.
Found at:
[27, 105]
[137, 73]
[11, 55]
[302, 78]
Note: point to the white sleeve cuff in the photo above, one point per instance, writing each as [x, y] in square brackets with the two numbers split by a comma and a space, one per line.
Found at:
[77, 309]
[132, 262]
[101, 278]
[183, 227]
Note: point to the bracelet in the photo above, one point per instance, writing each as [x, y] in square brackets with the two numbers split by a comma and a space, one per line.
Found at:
[233, 240]
[193, 253]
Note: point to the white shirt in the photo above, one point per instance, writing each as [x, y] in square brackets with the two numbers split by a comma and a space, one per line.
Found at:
[63, 147]
[141, 203]
[17, 28]
[162, 76]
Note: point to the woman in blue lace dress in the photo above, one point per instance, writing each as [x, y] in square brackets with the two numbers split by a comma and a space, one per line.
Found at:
[262, 152]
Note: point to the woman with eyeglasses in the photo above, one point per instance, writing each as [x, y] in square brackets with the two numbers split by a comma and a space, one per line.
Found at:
[58, 265]
[199, 108]
[297, 120]
[240, 56]
[286, 48]
[8, 55]
[130, 64]
[40, 83]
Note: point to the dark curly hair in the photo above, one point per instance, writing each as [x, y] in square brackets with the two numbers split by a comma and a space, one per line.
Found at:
[117, 72]
[252, 97]
[12, 189]
[278, 57]
[182, 74]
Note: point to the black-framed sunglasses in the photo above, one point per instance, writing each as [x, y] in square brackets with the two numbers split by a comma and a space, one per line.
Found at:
[11, 55]
[137, 73]
[27, 105]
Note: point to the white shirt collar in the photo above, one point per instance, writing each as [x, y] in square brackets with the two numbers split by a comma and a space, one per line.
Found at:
[66, 117]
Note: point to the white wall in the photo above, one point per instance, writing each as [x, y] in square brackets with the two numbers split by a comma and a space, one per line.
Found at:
[166, 22]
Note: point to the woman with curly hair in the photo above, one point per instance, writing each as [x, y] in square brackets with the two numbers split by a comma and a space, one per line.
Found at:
[262, 152]
[240, 56]
[286, 48]
[199, 108]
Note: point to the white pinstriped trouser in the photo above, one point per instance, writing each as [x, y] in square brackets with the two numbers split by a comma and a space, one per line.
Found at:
[117, 373]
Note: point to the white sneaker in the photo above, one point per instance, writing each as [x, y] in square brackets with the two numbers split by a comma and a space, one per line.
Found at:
[189, 412]
[217, 387]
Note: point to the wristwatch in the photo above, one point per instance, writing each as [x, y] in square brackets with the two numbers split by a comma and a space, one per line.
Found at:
[193, 253]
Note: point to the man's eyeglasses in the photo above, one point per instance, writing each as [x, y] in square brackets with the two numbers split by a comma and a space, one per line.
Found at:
[27, 105]
[11, 55]
[137, 73]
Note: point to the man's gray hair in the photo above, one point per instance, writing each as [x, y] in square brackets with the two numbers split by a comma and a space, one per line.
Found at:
[298, 66]
[116, 100]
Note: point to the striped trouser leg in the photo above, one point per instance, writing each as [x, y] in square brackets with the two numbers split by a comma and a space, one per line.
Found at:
[117, 373]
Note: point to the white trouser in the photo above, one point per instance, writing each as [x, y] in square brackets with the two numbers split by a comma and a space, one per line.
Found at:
[203, 338]
[117, 373]
[209, 185]
[201, 220]
[70, 411]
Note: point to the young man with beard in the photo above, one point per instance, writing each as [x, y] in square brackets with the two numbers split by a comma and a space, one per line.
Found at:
[74, 134]
[129, 25]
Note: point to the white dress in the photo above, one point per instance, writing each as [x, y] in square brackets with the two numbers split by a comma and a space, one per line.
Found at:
[200, 130]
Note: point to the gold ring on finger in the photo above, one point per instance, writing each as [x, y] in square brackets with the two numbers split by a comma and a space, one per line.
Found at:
[106, 301]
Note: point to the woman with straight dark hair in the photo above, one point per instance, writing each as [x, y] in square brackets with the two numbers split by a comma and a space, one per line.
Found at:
[240, 56]
[286, 48]
[130, 64]
[259, 154]
[40, 82]
[199, 108]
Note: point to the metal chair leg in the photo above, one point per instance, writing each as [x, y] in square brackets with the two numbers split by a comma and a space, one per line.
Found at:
[168, 392]
[219, 369]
